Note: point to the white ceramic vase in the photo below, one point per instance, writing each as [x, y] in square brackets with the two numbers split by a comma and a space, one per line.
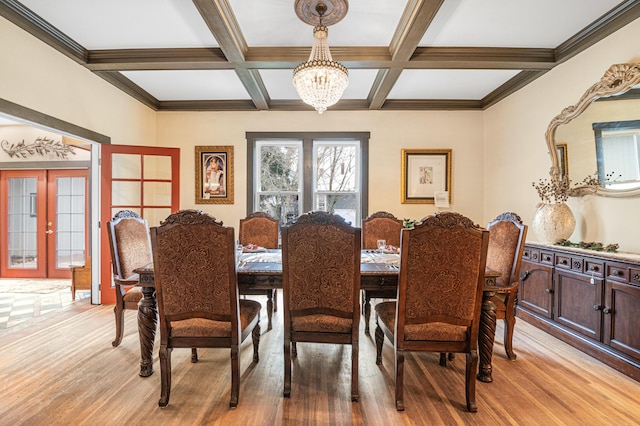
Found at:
[553, 222]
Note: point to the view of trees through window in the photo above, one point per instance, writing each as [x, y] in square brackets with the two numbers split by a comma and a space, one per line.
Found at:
[292, 176]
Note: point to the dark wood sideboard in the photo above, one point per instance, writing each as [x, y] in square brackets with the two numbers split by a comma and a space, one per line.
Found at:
[588, 299]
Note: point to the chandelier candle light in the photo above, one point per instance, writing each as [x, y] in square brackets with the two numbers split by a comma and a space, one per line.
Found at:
[320, 81]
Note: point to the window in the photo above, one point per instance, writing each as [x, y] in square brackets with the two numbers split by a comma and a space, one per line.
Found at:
[292, 173]
[618, 153]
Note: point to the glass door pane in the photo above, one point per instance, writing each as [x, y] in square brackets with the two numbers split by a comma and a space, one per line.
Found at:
[22, 230]
[71, 221]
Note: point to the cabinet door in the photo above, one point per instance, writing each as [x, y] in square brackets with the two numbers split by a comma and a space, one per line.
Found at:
[621, 319]
[536, 291]
[578, 302]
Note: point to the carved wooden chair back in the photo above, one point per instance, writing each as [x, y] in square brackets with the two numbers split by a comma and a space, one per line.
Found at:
[130, 248]
[321, 285]
[507, 236]
[440, 286]
[260, 229]
[381, 226]
[506, 245]
[197, 293]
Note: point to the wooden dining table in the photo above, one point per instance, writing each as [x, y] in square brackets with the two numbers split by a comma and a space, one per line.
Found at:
[263, 270]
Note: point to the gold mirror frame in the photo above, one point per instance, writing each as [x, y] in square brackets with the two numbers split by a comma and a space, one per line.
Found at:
[618, 79]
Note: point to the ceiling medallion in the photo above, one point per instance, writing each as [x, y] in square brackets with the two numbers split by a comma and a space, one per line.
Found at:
[320, 82]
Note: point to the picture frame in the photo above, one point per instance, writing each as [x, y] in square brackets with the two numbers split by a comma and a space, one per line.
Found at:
[563, 159]
[214, 174]
[425, 172]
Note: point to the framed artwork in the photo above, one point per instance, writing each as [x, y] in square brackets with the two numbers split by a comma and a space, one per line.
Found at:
[425, 172]
[563, 159]
[214, 175]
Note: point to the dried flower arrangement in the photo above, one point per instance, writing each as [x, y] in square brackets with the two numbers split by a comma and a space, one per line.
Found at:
[552, 190]
[558, 190]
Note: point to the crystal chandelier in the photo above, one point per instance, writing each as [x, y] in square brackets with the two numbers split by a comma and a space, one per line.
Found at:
[320, 81]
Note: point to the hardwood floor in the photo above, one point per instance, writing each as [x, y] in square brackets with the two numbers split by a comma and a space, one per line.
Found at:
[66, 372]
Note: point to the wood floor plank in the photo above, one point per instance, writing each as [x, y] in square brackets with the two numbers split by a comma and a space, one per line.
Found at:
[67, 372]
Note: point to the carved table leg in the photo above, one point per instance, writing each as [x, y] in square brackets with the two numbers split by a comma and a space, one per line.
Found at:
[269, 308]
[147, 320]
[486, 336]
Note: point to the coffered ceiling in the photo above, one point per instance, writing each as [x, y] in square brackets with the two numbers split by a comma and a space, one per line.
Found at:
[234, 55]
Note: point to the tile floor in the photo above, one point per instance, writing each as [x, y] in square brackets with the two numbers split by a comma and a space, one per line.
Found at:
[21, 308]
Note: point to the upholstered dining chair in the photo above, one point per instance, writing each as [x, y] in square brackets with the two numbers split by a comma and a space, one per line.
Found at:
[321, 287]
[507, 235]
[197, 292]
[378, 226]
[441, 279]
[130, 248]
[381, 226]
[261, 229]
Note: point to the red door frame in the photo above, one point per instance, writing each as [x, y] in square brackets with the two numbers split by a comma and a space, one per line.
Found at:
[107, 293]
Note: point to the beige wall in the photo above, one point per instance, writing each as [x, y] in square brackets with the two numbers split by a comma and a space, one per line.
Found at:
[516, 152]
[35, 76]
[390, 132]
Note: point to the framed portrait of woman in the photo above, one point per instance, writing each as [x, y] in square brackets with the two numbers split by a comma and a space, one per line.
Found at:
[214, 175]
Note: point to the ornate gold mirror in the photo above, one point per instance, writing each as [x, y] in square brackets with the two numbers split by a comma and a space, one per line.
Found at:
[598, 138]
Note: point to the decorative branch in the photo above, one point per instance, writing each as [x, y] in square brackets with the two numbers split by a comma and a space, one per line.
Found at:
[42, 146]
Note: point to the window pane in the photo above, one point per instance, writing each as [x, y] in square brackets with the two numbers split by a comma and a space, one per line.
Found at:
[279, 167]
[283, 207]
[345, 205]
[126, 166]
[157, 167]
[336, 166]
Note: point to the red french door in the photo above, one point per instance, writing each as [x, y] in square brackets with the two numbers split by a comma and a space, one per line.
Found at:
[144, 179]
[44, 222]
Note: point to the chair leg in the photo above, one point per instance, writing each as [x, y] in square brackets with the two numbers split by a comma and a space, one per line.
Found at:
[235, 376]
[194, 355]
[443, 359]
[379, 343]
[367, 311]
[255, 338]
[118, 310]
[294, 349]
[287, 368]
[509, 326]
[354, 372]
[165, 375]
[275, 300]
[399, 367]
[470, 380]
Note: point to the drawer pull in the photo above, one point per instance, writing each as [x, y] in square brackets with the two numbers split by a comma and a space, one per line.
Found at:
[548, 290]
[597, 307]
[615, 273]
[607, 310]
[563, 262]
[594, 268]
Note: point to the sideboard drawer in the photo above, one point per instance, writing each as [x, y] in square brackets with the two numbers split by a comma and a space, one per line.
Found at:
[563, 261]
[594, 268]
[634, 276]
[617, 272]
[546, 258]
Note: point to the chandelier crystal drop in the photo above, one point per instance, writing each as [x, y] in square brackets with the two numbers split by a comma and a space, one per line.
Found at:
[320, 82]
